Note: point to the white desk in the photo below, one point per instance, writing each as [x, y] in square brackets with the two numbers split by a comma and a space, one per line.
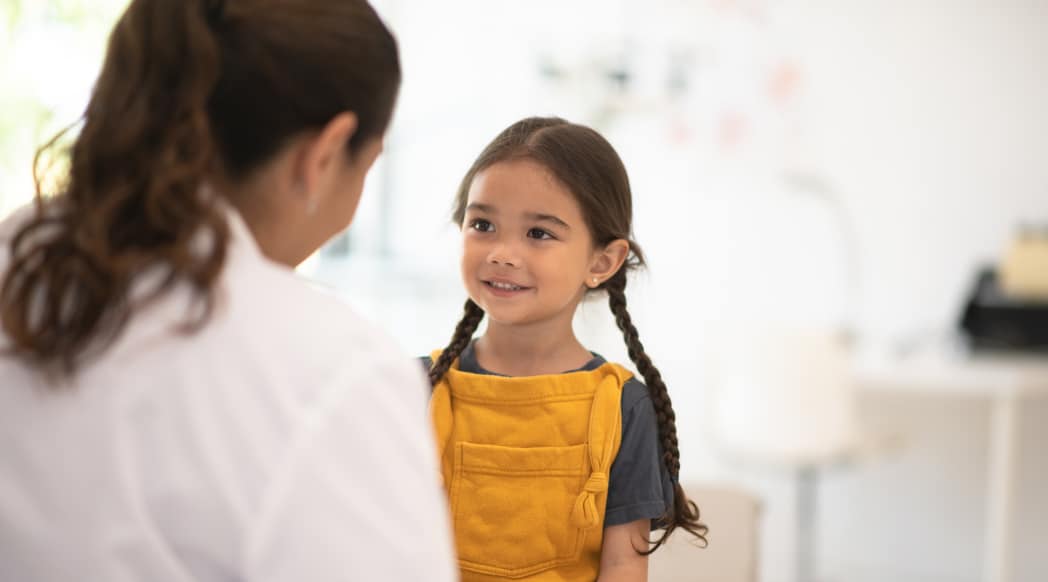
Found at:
[1004, 380]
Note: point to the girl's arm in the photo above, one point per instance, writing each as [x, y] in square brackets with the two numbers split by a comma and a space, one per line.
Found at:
[619, 560]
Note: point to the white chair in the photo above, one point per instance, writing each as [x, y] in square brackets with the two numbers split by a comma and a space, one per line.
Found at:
[733, 516]
[782, 399]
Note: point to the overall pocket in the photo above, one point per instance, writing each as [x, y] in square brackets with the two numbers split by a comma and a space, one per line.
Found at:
[512, 507]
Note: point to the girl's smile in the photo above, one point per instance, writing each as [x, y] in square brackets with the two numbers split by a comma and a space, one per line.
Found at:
[505, 287]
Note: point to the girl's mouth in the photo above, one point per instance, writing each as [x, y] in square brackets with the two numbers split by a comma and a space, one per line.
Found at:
[504, 288]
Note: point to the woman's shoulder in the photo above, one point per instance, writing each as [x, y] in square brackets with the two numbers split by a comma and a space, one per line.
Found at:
[260, 293]
[287, 325]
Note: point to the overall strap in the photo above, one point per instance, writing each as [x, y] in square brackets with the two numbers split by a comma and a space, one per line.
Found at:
[440, 411]
[605, 434]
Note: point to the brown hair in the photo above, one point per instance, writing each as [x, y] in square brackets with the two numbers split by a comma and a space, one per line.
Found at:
[188, 87]
[584, 162]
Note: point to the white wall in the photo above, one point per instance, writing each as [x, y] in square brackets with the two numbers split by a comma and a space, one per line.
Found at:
[932, 123]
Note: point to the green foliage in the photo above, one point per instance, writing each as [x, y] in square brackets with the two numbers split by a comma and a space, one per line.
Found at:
[47, 49]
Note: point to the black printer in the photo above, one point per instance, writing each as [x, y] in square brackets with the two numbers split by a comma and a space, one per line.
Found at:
[1008, 308]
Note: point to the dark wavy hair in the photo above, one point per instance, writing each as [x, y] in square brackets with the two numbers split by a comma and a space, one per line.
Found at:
[584, 162]
[187, 87]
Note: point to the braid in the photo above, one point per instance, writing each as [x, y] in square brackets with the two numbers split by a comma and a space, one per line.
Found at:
[652, 377]
[459, 340]
[684, 513]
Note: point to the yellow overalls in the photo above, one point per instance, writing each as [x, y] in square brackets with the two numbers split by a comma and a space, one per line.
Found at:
[525, 463]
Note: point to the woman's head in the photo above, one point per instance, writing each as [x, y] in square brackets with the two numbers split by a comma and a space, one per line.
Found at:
[197, 91]
[290, 66]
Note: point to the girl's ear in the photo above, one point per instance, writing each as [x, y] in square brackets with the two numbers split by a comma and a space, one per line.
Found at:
[607, 261]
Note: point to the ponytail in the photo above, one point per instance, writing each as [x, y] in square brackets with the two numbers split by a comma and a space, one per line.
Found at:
[131, 201]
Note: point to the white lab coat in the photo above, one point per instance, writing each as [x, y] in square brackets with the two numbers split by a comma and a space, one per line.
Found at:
[287, 440]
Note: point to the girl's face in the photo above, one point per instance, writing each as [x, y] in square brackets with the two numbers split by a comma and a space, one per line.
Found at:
[527, 253]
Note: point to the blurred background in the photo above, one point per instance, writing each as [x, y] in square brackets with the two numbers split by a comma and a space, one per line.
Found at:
[825, 190]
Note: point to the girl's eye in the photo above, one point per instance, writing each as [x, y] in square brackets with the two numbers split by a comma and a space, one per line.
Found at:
[538, 233]
[481, 225]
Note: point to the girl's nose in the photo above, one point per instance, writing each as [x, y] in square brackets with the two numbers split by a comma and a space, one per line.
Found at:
[503, 255]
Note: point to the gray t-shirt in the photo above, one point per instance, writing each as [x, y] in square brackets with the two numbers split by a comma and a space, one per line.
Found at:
[639, 486]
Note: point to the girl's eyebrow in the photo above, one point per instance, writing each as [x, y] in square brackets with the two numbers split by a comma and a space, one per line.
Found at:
[547, 218]
[479, 207]
[536, 216]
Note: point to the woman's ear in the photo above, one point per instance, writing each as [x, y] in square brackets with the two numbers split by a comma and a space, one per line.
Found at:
[607, 260]
[323, 154]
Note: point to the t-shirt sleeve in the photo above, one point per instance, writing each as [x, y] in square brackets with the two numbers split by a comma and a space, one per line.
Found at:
[639, 484]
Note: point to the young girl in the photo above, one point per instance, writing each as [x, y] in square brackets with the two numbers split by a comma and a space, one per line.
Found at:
[557, 463]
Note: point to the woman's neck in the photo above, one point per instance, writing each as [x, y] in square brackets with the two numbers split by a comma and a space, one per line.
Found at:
[529, 350]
